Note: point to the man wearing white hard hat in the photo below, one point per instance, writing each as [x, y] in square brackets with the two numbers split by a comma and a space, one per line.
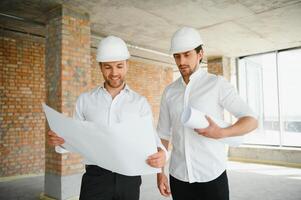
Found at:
[197, 168]
[106, 104]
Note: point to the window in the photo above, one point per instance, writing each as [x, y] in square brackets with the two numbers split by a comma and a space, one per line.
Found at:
[289, 63]
[270, 83]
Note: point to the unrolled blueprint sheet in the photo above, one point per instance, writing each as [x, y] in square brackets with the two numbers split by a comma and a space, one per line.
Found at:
[121, 147]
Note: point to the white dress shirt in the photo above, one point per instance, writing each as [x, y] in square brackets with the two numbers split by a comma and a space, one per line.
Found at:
[98, 106]
[196, 158]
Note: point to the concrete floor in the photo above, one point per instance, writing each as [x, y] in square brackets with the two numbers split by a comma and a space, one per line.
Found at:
[247, 182]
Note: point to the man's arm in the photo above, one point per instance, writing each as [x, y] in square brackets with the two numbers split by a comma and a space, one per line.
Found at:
[164, 131]
[162, 180]
[242, 126]
[231, 101]
[157, 159]
[165, 143]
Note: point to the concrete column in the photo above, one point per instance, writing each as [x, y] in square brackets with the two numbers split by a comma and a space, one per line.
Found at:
[67, 75]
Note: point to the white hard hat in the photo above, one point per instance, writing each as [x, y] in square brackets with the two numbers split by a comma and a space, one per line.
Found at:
[185, 39]
[111, 49]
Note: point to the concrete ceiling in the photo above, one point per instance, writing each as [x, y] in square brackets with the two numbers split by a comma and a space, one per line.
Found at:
[228, 27]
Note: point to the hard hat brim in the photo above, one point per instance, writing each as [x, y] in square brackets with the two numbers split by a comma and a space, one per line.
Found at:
[184, 49]
[113, 59]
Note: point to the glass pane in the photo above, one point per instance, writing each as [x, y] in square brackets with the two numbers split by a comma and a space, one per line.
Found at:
[258, 85]
[289, 63]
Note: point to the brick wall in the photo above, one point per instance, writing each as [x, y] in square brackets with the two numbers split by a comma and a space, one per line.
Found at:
[215, 65]
[22, 90]
[220, 66]
[149, 80]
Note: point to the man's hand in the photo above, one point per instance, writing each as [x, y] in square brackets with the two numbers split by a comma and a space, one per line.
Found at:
[157, 160]
[212, 131]
[162, 183]
[54, 140]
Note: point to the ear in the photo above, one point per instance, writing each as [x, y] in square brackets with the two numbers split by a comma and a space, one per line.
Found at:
[201, 54]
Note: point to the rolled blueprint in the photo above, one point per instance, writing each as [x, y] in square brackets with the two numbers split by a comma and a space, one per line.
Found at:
[195, 119]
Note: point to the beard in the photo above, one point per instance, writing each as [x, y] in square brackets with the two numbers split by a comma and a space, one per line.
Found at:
[115, 83]
[185, 70]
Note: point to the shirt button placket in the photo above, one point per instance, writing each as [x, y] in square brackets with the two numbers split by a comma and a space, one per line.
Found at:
[186, 136]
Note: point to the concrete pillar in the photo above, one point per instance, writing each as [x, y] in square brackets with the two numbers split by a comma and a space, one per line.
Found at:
[67, 75]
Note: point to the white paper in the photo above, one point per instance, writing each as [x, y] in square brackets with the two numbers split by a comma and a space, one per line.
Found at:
[195, 119]
[122, 147]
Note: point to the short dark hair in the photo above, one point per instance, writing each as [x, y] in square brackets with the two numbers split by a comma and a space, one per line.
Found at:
[198, 49]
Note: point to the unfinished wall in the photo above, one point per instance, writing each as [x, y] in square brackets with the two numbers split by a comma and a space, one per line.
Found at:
[22, 89]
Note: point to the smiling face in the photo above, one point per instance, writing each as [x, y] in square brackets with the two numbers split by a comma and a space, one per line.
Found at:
[187, 62]
[114, 73]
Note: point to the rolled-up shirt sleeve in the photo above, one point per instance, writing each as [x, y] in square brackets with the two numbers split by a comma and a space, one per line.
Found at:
[231, 101]
[164, 124]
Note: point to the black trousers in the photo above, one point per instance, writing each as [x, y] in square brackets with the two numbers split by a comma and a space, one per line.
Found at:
[216, 189]
[101, 184]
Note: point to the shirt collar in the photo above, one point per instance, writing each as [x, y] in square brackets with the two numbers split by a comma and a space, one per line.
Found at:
[197, 74]
[125, 89]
